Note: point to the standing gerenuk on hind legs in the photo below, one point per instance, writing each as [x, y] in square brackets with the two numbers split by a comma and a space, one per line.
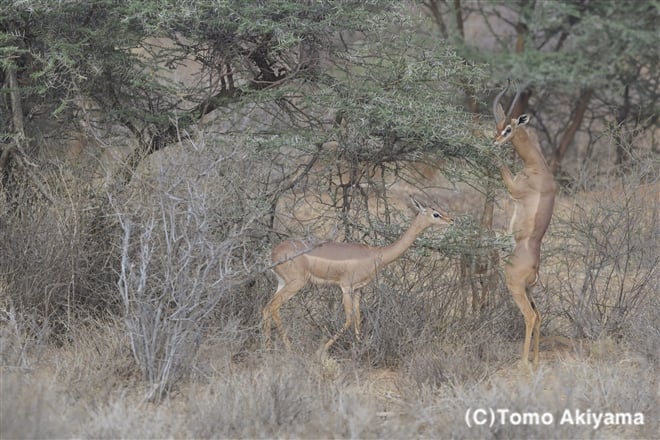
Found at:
[533, 192]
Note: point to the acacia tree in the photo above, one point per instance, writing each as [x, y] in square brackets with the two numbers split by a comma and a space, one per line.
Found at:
[589, 61]
[584, 59]
[390, 88]
[106, 63]
[275, 79]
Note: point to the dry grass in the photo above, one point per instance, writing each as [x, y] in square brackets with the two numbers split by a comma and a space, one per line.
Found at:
[84, 390]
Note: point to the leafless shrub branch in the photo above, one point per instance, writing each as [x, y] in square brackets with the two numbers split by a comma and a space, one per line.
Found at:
[179, 259]
[606, 260]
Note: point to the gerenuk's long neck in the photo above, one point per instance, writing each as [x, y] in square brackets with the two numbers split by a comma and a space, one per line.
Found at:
[395, 250]
[528, 148]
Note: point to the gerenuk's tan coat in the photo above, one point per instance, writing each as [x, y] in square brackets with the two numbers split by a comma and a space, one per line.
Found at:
[533, 191]
[347, 265]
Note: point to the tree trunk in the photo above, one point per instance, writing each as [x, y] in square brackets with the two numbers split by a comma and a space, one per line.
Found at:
[432, 6]
[459, 19]
[16, 105]
[568, 136]
[622, 144]
[7, 161]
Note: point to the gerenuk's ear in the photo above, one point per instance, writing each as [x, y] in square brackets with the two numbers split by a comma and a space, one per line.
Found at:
[522, 119]
[419, 206]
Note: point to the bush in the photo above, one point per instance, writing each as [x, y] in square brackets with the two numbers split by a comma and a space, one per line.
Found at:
[606, 261]
[58, 260]
[186, 247]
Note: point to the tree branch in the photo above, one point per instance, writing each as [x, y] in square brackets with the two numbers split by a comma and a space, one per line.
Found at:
[171, 132]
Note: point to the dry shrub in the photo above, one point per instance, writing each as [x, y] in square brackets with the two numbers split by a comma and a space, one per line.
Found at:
[57, 259]
[188, 242]
[642, 335]
[605, 260]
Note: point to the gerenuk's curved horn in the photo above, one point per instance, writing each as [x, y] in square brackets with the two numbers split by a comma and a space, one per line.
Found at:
[497, 100]
[515, 100]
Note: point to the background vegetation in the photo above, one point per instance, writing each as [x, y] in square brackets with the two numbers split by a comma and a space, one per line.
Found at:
[152, 152]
